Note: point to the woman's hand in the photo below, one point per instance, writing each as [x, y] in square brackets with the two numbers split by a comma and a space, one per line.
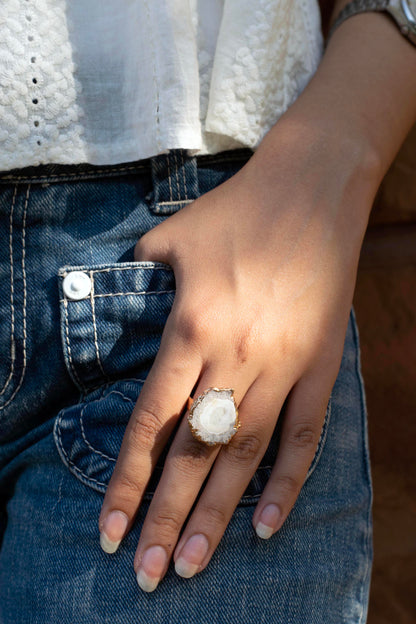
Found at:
[265, 269]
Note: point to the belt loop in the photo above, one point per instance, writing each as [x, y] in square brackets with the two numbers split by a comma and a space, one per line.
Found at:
[175, 181]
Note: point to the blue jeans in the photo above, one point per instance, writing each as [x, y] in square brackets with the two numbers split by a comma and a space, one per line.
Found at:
[70, 372]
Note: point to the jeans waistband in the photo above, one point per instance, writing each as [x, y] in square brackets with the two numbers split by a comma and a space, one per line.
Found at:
[176, 167]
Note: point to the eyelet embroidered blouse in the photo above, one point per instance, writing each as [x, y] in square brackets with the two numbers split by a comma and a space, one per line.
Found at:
[121, 80]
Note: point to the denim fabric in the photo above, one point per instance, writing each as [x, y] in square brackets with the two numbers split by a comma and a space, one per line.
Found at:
[70, 373]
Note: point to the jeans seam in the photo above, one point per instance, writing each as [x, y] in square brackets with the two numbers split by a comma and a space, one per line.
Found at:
[130, 268]
[22, 376]
[174, 203]
[321, 441]
[73, 176]
[66, 457]
[71, 364]
[177, 175]
[367, 541]
[12, 350]
[102, 385]
[103, 455]
[64, 454]
[319, 449]
[88, 443]
[84, 436]
[169, 178]
[129, 294]
[97, 350]
[92, 173]
[184, 176]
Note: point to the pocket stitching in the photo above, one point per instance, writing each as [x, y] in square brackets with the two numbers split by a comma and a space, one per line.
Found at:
[148, 267]
[61, 449]
[138, 266]
[322, 440]
[125, 294]
[71, 363]
[244, 500]
[65, 332]
[67, 460]
[94, 324]
[84, 437]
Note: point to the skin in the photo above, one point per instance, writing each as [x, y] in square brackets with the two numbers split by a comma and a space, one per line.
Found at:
[265, 267]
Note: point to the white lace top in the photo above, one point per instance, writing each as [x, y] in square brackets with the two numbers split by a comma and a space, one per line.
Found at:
[120, 80]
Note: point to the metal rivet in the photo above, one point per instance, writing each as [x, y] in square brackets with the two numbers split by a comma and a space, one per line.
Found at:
[76, 285]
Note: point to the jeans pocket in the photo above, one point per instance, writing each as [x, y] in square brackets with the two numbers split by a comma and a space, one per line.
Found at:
[88, 435]
[112, 318]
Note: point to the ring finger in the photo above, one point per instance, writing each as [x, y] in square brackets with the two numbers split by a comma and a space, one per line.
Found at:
[233, 470]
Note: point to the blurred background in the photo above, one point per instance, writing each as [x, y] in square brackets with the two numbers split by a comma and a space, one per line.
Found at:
[385, 305]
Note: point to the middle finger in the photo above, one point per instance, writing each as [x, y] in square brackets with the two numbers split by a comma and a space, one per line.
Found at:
[186, 468]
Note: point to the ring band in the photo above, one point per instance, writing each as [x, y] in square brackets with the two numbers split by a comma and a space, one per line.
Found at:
[213, 416]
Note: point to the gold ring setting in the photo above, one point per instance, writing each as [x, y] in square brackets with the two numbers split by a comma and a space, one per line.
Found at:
[213, 416]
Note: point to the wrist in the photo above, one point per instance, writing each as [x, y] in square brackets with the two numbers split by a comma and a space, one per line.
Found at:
[330, 144]
[335, 135]
[363, 94]
[319, 164]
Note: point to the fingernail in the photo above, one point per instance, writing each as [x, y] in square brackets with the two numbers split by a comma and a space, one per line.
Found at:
[151, 568]
[113, 530]
[191, 556]
[268, 522]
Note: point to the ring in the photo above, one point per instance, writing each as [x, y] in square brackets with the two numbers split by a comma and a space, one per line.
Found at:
[213, 416]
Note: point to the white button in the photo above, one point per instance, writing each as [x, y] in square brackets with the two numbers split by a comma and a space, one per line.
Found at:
[76, 285]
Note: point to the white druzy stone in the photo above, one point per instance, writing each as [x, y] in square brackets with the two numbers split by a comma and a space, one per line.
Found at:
[213, 416]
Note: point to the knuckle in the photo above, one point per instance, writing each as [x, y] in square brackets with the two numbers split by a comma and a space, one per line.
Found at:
[146, 426]
[244, 448]
[303, 435]
[192, 457]
[143, 247]
[167, 522]
[287, 484]
[194, 324]
[187, 327]
[128, 487]
[214, 515]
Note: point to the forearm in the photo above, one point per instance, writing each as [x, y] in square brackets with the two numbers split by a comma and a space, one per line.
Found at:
[377, 64]
[362, 99]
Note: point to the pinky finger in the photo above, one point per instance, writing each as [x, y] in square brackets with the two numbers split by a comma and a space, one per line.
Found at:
[301, 430]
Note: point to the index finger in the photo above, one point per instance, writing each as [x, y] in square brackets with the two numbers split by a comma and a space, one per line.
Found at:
[161, 402]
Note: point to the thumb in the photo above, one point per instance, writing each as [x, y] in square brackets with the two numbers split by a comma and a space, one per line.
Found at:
[153, 247]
